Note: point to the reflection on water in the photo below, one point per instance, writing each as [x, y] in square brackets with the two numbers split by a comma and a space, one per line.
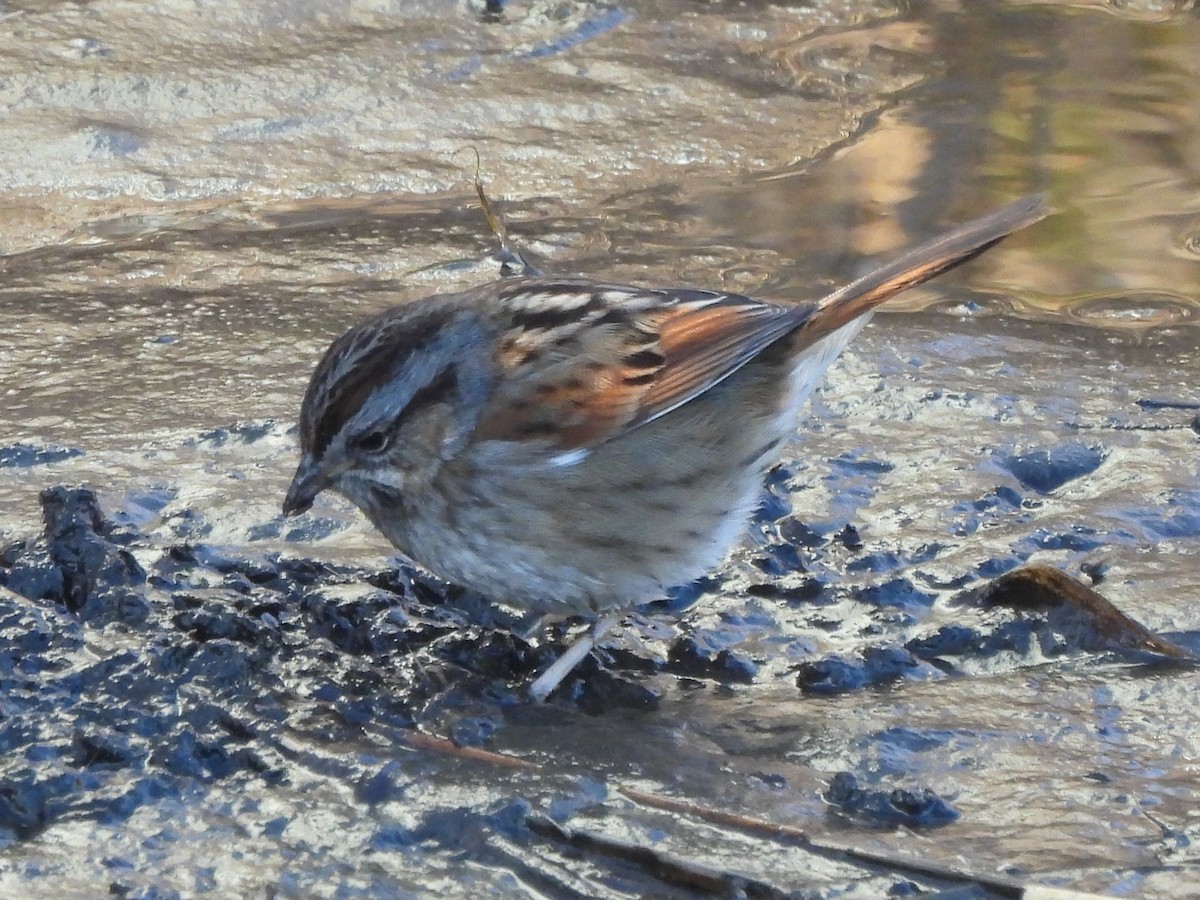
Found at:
[912, 124]
[197, 198]
[1102, 114]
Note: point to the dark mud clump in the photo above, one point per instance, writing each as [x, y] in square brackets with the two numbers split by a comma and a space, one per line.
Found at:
[886, 809]
[123, 681]
[79, 563]
[130, 669]
[1046, 470]
[22, 456]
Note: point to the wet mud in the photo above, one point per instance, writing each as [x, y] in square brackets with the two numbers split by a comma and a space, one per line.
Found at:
[145, 667]
[953, 655]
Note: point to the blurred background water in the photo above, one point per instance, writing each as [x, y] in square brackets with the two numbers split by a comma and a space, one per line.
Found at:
[195, 197]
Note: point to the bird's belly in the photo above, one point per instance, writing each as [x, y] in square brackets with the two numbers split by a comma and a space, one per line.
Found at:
[590, 550]
[655, 508]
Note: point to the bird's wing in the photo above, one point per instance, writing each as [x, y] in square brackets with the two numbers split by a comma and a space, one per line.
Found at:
[583, 363]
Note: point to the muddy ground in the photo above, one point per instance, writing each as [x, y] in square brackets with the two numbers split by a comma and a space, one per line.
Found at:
[198, 696]
[165, 693]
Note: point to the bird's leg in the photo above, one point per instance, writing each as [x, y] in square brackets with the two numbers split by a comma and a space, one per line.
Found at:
[561, 667]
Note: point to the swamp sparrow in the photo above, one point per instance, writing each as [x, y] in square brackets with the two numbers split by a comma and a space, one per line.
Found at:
[574, 447]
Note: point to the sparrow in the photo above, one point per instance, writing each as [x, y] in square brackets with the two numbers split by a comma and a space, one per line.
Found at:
[575, 447]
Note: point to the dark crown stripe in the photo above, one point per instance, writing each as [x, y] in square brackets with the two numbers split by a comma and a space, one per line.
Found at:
[351, 370]
[346, 397]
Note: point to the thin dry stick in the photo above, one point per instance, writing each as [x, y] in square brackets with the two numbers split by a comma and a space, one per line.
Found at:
[698, 877]
[417, 740]
[508, 256]
[1002, 886]
[680, 873]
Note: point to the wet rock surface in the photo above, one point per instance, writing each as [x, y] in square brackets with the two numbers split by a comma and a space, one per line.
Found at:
[910, 637]
[200, 697]
[143, 668]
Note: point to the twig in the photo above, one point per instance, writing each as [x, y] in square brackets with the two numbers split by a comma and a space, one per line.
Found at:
[713, 881]
[507, 255]
[417, 740]
[673, 871]
[789, 834]
[707, 879]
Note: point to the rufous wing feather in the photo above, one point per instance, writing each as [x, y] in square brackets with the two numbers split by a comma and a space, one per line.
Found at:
[584, 362]
[918, 265]
[631, 368]
[703, 346]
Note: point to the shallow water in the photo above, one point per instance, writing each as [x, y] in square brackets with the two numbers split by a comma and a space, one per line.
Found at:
[198, 197]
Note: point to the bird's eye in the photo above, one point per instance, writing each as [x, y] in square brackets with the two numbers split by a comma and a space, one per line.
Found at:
[372, 442]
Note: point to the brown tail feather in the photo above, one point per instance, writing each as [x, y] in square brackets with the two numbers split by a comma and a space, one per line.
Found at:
[920, 264]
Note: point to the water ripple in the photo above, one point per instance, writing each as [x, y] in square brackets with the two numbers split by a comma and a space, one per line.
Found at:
[1133, 311]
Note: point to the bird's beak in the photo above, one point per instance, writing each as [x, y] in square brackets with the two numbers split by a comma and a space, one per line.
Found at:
[308, 481]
